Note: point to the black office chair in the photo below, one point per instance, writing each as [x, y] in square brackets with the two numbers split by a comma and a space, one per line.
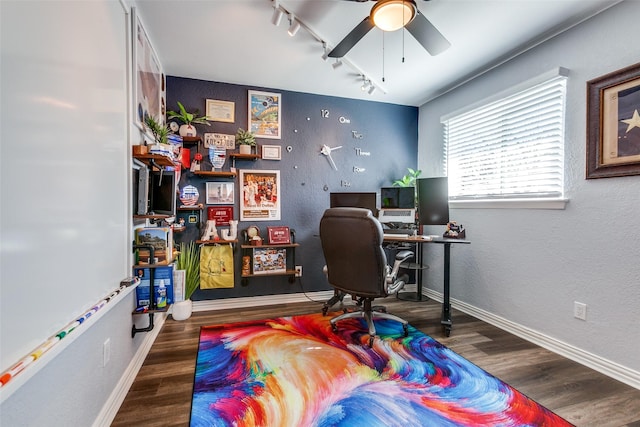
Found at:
[356, 263]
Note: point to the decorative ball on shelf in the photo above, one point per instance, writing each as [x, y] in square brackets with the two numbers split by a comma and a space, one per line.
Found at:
[189, 195]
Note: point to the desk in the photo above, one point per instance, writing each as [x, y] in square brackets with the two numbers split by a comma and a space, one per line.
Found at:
[445, 319]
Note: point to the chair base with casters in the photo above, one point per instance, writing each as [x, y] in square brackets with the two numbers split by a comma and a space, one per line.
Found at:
[356, 264]
[369, 314]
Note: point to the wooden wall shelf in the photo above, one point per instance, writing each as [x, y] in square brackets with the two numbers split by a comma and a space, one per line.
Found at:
[157, 159]
[226, 174]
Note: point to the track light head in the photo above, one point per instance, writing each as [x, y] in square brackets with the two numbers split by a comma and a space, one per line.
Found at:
[276, 18]
[294, 27]
[336, 64]
[325, 51]
[372, 89]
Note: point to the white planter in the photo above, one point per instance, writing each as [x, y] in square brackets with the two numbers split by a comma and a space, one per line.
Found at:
[245, 149]
[187, 130]
[182, 310]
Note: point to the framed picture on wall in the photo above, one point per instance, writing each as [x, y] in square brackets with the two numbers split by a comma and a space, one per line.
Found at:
[260, 195]
[221, 111]
[220, 193]
[265, 114]
[271, 152]
[148, 78]
[613, 124]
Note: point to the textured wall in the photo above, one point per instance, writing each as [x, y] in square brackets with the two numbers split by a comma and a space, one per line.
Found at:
[389, 134]
[529, 266]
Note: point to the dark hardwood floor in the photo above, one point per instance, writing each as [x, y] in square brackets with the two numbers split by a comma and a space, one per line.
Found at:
[161, 393]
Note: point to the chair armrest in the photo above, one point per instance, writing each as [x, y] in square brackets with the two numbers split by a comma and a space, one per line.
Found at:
[401, 257]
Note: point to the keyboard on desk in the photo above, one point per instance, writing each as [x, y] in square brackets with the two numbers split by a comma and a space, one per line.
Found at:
[395, 235]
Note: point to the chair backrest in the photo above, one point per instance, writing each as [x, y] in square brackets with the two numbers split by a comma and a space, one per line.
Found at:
[352, 246]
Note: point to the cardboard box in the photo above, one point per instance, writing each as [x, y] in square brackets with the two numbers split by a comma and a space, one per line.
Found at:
[164, 273]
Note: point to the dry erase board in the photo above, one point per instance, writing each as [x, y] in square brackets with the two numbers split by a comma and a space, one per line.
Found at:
[64, 168]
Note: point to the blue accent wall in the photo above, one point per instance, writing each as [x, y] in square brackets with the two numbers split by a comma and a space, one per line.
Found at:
[389, 134]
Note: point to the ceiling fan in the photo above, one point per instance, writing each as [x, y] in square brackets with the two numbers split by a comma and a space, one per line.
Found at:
[391, 15]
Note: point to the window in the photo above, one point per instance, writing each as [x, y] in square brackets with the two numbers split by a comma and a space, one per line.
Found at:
[511, 147]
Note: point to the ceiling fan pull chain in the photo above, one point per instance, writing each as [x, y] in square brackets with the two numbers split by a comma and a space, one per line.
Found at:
[383, 57]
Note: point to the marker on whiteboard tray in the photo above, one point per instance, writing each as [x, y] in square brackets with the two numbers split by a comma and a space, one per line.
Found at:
[67, 329]
[45, 347]
[16, 369]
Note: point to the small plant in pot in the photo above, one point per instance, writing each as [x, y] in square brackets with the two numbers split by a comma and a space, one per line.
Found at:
[188, 120]
[189, 261]
[245, 140]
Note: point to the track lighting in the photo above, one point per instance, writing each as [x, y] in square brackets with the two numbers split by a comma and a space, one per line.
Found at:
[294, 27]
[277, 15]
[325, 51]
[336, 64]
[372, 89]
[365, 83]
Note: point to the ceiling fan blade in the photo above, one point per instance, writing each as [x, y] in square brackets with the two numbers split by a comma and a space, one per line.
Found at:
[352, 38]
[427, 35]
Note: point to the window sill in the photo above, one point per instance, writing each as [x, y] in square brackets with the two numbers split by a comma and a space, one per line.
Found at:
[509, 204]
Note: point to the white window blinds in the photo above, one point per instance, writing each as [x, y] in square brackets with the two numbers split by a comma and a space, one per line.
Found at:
[511, 148]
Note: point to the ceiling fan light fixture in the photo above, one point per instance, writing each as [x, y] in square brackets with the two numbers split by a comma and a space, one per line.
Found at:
[294, 27]
[391, 15]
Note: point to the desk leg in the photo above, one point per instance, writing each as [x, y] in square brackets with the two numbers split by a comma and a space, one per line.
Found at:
[415, 296]
[446, 305]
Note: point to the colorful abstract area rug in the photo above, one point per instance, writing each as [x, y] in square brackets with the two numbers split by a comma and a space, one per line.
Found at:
[296, 372]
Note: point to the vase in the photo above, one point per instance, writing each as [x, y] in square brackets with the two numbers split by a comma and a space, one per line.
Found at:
[182, 310]
[187, 130]
[245, 149]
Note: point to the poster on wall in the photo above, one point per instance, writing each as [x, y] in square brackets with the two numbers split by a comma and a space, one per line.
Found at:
[259, 195]
[148, 81]
[264, 114]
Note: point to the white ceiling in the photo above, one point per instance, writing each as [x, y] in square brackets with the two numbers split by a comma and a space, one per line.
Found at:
[233, 41]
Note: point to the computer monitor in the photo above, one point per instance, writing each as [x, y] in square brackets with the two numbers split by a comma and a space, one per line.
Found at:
[162, 193]
[433, 200]
[397, 198]
[354, 200]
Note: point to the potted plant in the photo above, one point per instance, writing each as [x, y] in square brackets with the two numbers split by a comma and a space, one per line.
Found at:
[409, 179]
[189, 261]
[159, 132]
[245, 140]
[188, 119]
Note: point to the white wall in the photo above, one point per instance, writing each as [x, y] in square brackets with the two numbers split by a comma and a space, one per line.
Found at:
[529, 266]
[65, 209]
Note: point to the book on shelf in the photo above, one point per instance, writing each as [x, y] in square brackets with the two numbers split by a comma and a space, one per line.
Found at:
[161, 239]
[162, 278]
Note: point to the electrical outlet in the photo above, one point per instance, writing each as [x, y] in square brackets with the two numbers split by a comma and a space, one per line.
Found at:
[580, 310]
[106, 352]
[298, 271]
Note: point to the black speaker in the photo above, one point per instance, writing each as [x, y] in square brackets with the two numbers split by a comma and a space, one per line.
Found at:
[433, 200]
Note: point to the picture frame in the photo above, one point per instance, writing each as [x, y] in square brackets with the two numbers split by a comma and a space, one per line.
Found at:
[613, 124]
[271, 152]
[220, 193]
[260, 195]
[221, 111]
[149, 91]
[265, 113]
[269, 261]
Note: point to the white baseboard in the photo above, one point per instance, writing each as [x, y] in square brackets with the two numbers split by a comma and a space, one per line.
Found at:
[112, 405]
[597, 363]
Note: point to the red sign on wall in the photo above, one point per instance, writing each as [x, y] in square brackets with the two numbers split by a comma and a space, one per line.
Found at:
[222, 214]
